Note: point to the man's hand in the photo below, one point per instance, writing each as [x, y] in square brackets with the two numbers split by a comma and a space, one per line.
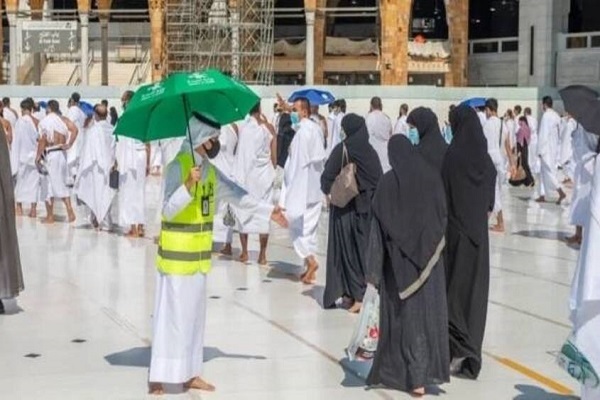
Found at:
[278, 217]
[194, 178]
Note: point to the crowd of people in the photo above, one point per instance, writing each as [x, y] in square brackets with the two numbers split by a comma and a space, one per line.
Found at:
[417, 229]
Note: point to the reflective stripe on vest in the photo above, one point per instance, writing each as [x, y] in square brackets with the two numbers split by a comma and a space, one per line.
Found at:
[185, 243]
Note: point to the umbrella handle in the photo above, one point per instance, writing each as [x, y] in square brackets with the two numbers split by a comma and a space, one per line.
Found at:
[189, 133]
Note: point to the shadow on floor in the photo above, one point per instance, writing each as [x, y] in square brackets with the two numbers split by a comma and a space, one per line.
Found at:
[529, 392]
[140, 357]
[316, 292]
[285, 270]
[544, 234]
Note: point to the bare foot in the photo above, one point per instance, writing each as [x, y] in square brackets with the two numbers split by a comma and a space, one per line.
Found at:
[48, 220]
[573, 239]
[156, 389]
[33, 214]
[355, 309]
[226, 250]
[311, 273]
[70, 217]
[419, 392]
[497, 229]
[132, 234]
[561, 197]
[19, 211]
[141, 232]
[243, 258]
[262, 259]
[199, 384]
[95, 223]
[540, 199]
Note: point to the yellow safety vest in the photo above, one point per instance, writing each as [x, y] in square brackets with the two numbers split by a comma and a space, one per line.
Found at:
[185, 243]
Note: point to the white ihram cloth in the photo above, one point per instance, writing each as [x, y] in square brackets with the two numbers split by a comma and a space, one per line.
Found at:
[496, 133]
[512, 127]
[534, 160]
[24, 150]
[78, 117]
[10, 116]
[301, 194]
[380, 132]
[566, 146]
[482, 118]
[97, 158]
[585, 291]
[335, 133]
[584, 155]
[180, 304]
[548, 141]
[224, 162]
[56, 161]
[131, 160]
[401, 127]
[254, 171]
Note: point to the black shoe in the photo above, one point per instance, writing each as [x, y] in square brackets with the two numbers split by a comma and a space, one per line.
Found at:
[1, 307]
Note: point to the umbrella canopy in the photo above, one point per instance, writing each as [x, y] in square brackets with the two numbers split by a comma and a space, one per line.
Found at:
[87, 108]
[162, 110]
[582, 103]
[474, 102]
[316, 97]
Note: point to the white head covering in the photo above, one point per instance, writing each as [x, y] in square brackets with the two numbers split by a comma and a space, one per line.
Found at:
[200, 133]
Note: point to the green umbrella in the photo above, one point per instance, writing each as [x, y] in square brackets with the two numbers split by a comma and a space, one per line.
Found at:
[162, 110]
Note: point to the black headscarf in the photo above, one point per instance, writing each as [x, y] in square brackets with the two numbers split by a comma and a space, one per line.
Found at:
[432, 145]
[469, 174]
[410, 203]
[284, 138]
[360, 152]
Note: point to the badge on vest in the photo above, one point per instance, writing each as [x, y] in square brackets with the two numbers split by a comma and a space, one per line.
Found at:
[207, 193]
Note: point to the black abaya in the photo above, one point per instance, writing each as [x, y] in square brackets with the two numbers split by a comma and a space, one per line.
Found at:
[349, 226]
[432, 144]
[408, 225]
[469, 177]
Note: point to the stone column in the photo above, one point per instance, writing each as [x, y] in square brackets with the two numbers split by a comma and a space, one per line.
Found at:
[457, 13]
[320, 42]
[156, 8]
[37, 14]
[83, 7]
[395, 24]
[539, 23]
[309, 77]
[1, 41]
[104, 16]
[12, 7]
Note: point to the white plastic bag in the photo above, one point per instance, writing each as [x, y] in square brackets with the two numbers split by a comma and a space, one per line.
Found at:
[366, 333]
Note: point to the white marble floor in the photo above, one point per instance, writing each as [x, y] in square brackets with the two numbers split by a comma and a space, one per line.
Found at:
[84, 322]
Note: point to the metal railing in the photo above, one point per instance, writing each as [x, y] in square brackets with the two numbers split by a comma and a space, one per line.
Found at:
[140, 73]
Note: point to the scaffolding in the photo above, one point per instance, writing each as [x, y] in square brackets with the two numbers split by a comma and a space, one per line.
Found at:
[234, 36]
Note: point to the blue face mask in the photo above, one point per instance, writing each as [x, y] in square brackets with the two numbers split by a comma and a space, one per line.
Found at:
[413, 136]
[295, 118]
[343, 135]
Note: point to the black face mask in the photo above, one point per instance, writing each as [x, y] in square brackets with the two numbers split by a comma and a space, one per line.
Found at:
[214, 150]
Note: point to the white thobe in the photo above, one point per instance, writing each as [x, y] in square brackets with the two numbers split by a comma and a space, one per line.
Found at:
[10, 116]
[24, 149]
[584, 153]
[224, 161]
[401, 127]
[180, 303]
[77, 117]
[97, 158]
[131, 160]
[301, 194]
[566, 147]
[534, 160]
[380, 132]
[512, 127]
[548, 137]
[254, 170]
[56, 161]
[496, 134]
[335, 133]
[482, 118]
[585, 291]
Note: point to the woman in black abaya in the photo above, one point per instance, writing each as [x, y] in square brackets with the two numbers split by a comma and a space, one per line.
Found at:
[406, 264]
[349, 226]
[432, 145]
[469, 178]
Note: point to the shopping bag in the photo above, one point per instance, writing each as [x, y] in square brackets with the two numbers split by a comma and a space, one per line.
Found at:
[366, 333]
[572, 360]
[229, 217]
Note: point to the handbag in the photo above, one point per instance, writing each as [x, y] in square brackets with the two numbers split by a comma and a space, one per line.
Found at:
[365, 338]
[518, 174]
[345, 187]
[113, 179]
[229, 217]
